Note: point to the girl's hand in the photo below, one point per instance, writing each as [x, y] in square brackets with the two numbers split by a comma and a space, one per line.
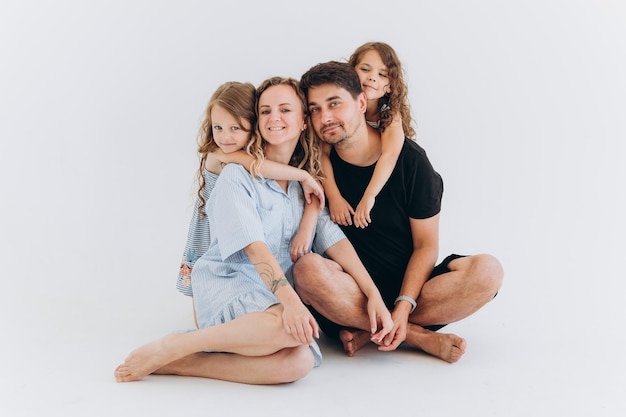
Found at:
[300, 324]
[362, 215]
[340, 211]
[312, 187]
[299, 246]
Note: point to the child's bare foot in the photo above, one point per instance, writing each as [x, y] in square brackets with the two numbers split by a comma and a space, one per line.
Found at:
[353, 340]
[448, 347]
[147, 359]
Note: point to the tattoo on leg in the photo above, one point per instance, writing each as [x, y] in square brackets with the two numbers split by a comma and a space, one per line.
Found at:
[267, 275]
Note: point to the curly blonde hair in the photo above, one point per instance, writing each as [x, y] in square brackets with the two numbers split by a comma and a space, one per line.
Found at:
[308, 152]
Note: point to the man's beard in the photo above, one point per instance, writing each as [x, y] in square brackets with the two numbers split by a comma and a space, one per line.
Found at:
[339, 138]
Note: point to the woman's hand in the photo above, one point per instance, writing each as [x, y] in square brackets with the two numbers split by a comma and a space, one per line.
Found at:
[379, 315]
[300, 323]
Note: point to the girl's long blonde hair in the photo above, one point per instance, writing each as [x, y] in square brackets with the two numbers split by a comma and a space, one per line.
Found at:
[239, 100]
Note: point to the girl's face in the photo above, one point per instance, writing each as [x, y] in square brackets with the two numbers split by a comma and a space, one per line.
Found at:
[281, 118]
[373, 74]
[229, 135]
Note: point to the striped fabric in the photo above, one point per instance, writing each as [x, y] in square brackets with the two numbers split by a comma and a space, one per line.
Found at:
[243, 210]
[198, 238]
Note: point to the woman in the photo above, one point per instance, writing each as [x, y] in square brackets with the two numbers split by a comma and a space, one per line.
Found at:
[253, 326]
[228, 127]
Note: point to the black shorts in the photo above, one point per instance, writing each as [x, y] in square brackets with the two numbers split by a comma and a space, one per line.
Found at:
[332, 329]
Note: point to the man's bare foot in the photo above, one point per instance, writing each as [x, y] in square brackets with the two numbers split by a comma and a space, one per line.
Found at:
[353, 340]
[147, 359]
[448, 347]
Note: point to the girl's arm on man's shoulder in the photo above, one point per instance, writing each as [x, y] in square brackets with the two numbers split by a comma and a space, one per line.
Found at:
[340, 210]
[392, 140]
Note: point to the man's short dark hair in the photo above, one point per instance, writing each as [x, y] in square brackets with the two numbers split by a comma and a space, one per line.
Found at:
[333, 72]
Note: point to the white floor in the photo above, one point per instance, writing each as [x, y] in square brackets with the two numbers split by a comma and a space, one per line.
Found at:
[520, 106]
[524, 357]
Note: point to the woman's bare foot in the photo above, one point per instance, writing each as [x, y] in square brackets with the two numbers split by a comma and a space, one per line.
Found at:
[147, 359]
[353, 340]
[448, 347]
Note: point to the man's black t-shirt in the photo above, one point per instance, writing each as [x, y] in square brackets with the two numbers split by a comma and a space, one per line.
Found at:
[414, 190]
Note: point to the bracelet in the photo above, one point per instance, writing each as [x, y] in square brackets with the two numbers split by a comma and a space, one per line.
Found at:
[408, 300]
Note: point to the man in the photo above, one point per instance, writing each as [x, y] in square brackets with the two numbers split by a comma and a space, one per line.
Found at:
[399, 248]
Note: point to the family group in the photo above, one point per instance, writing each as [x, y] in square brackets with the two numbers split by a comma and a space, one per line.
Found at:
[317, 211]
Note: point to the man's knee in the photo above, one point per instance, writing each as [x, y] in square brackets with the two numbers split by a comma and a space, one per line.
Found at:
[489, 272]
[305, 263]
[310, 275]
[307, 268]
[304, 274]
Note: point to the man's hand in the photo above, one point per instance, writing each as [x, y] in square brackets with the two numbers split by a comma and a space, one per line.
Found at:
[400, 318]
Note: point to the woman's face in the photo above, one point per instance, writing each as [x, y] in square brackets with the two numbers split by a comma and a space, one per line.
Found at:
[229, 135]
[281, 118]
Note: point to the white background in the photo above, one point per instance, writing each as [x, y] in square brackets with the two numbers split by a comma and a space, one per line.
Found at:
[519, 104]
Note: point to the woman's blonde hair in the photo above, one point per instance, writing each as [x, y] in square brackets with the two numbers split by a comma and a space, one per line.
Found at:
[308, 152]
